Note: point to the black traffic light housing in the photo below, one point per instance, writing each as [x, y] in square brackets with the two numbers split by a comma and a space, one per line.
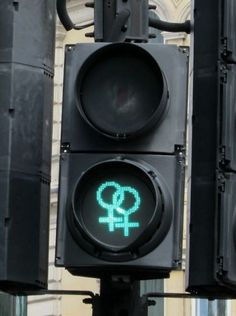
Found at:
[125, 59]
[26, 98]
[212, 245]
[123, 139]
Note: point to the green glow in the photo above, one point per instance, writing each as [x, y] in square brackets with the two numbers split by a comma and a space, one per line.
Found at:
[118, 217]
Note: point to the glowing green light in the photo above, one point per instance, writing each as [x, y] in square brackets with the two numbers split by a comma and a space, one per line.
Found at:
[117, 216]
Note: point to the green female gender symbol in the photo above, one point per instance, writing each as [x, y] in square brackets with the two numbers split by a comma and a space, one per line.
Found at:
[126, 213]
[110, 219]
[117, 199]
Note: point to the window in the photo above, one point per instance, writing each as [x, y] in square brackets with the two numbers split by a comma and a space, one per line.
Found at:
[12, 305]
[154, 286]
[212, 308]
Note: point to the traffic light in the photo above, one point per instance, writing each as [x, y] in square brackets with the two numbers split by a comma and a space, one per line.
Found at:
[212, 245]
[26, 92]
[122, 159]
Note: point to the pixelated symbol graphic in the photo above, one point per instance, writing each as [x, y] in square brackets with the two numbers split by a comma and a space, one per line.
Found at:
[118, 217]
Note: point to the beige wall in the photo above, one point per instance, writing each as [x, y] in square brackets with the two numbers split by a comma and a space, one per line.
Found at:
[73, 305]
[174, 306]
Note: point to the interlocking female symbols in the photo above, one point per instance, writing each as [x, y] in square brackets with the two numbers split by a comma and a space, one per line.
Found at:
[117, 216]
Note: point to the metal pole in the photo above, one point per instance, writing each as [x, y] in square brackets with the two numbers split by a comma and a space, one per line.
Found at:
[120, 297]
[119, 21]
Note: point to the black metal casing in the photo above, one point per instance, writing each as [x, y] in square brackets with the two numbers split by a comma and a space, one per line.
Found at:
[212, 218]
[161, 148]
[26, 98]
[78, 136]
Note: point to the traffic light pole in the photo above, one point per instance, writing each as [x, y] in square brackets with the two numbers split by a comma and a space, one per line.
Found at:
[120, 296]
[117, 21]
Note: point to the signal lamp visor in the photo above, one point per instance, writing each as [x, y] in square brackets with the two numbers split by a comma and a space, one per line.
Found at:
[121, 91]
[117, 207]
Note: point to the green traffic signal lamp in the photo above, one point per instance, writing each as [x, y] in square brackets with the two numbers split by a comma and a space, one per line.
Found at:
[120, 209]
[117, 215]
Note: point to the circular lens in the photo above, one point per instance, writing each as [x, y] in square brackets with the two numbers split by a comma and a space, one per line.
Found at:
[117, 207]
[121, 90]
